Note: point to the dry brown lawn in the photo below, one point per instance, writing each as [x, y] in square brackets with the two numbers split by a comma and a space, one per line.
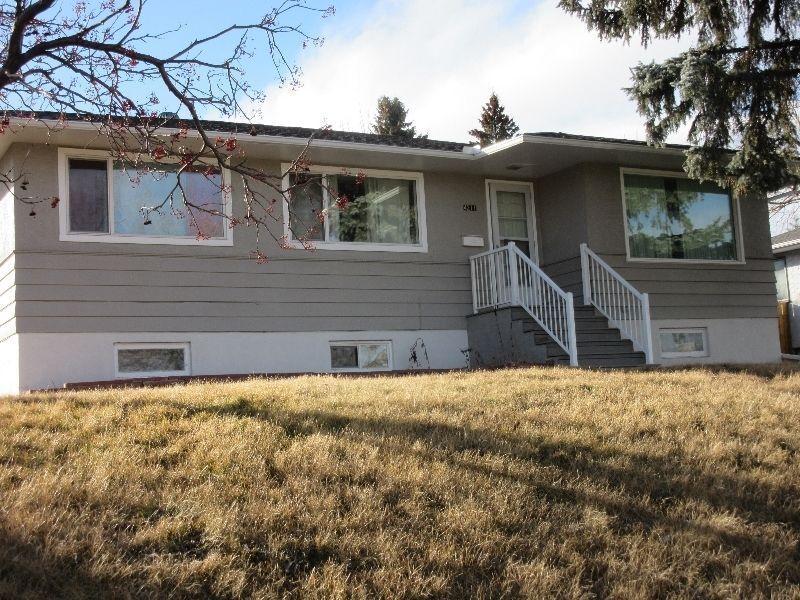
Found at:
[517, 483]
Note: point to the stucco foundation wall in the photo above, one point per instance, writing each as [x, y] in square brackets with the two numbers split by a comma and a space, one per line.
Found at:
[9, 365]
[51, 360]
[729, 340]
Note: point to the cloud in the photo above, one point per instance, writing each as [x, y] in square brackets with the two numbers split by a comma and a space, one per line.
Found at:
[443, 58]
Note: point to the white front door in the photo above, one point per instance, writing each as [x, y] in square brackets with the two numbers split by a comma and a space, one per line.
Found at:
[511, 216]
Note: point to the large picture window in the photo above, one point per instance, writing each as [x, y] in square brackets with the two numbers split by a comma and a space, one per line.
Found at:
[102, 201]
[676, 218]
[372, 210]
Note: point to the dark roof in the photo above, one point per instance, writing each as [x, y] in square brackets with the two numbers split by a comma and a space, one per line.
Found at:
[606, 140]
[332, 134]
[787, 237]
[344, 136]
[256, 129]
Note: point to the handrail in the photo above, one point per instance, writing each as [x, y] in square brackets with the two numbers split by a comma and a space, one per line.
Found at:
[507, 277]
[625, 307]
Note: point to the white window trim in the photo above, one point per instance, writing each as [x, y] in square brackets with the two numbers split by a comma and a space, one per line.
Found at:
[187, 359]
[735, 210]
[422, 225]
[387, 343]
[64, 154]
[697, 354]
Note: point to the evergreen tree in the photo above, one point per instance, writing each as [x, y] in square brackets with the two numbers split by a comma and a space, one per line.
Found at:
[736, 87]
[391, 119]
[495, 124]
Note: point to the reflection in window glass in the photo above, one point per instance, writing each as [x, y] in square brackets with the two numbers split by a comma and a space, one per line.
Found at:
[373, 356]
[365, 356]
[306, 207]
[683, 342]
[151, 360]
[88, 196]
[678, 218]
[378, 210]
[344, 357]
[134, 191]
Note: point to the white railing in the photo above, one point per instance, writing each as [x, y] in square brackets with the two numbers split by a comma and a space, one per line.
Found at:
[625, 307]
[507, 277]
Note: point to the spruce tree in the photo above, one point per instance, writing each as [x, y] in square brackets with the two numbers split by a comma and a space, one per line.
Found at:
[391, 119]
[737, 86]
[495, 124]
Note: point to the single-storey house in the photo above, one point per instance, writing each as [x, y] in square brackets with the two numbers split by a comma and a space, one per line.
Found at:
[545, 248]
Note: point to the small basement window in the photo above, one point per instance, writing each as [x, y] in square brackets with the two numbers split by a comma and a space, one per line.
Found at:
[152, 360]
[683, 343]
[361, 356]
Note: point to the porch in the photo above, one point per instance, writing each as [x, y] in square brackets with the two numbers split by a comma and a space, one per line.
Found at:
[520, 314]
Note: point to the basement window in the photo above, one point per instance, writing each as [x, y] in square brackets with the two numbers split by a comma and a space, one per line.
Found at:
[683, 343]
[152, 360]
[361, 356]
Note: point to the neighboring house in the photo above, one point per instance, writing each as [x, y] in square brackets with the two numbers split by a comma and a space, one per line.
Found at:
[786, 248]
[679, 270]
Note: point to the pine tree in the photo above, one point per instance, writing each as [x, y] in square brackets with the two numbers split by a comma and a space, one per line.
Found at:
[736, 87]
[495, 124]
[391, 119]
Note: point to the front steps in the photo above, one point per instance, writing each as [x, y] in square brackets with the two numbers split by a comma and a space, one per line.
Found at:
[598, 344]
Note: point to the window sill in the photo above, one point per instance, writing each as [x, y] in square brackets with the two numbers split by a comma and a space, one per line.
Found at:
[684, 355]
[685, 261]
[365, 247]
[143, 239]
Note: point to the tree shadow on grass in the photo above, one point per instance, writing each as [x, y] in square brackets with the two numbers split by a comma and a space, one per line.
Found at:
[653, 483]
[28, 571]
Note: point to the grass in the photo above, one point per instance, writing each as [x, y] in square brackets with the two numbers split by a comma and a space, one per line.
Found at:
[516, 483]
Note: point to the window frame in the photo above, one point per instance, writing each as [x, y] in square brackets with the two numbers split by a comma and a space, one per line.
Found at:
[187, 359]
[735, 215]
[422, 225]
[703, 331]
[359, 369]
[112, 237]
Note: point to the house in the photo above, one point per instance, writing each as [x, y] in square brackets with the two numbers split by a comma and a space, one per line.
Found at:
[786, 248]
[548, 248]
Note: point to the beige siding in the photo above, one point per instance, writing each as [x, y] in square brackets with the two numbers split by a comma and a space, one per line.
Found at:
[95, 287]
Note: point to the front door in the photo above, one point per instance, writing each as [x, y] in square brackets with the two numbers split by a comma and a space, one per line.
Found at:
[511, 216]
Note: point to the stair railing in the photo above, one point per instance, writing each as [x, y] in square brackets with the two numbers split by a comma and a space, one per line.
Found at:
[505, 276]
[625, 307]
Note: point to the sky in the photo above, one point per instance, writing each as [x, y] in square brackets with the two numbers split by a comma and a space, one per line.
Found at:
[442, 58]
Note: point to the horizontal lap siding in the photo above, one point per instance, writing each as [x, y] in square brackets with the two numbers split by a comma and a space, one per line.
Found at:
[331, 295]
[96, 287]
